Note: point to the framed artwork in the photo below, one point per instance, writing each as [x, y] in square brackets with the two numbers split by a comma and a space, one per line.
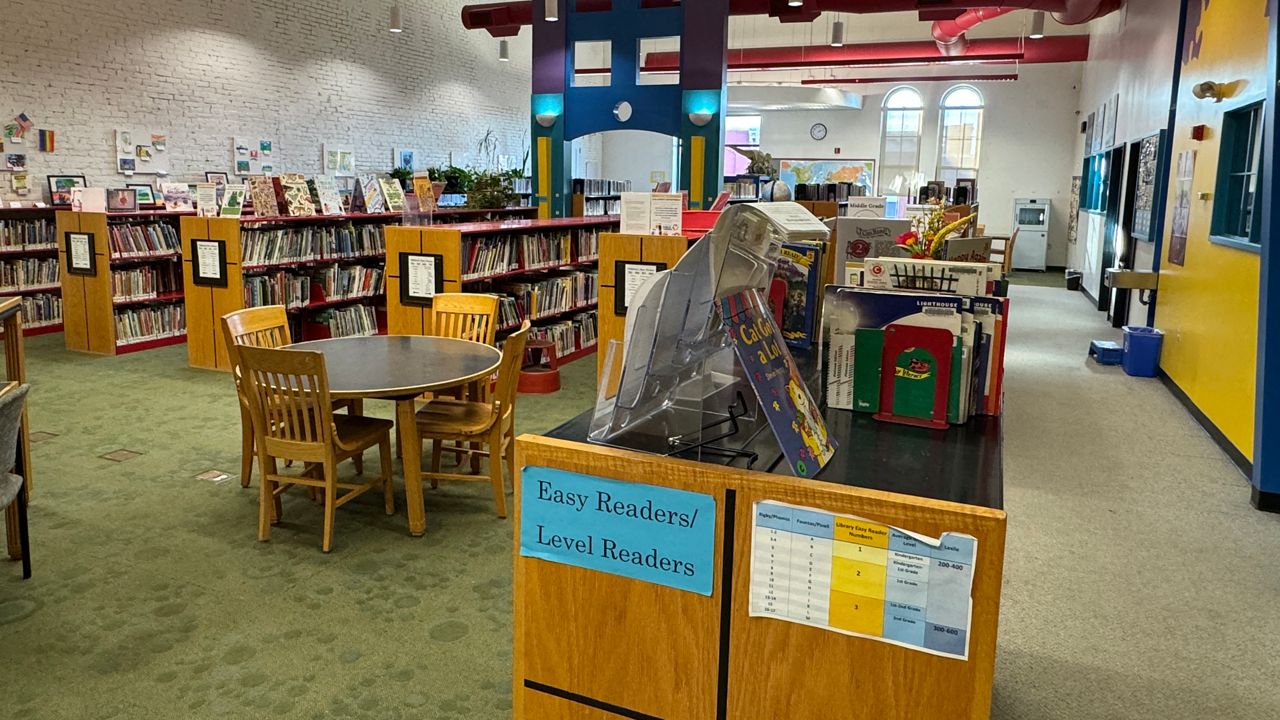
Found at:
[404, 158]
[209, 263]
[122, 200]
[146, 196]
[217, 178]
[60, 188]
[80, 257]
[421, 277]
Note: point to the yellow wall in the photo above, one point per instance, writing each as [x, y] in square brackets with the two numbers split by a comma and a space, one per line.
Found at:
[1209, 307]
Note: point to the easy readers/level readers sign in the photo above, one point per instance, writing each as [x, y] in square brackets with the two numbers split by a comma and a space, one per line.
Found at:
[653, 534]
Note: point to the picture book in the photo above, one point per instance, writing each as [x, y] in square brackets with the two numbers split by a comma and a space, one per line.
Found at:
[206, 199]
[262, 193]
[992, 313]
[424, 191]
[860, 238]
[233, 201]
[791, 411]
[297, 196]
[799, 267]
[915, 375]
[369, 193]
[327, 192]
[393, 193]
[177, 196]
[926, 275]
[89, 200]
[853, 325]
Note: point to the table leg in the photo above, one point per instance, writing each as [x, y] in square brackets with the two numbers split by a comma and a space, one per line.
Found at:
[411, 447]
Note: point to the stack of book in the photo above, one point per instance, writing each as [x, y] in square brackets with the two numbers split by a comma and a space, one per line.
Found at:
[134, 240]
[28, 234]
[28, 273]
[134, 325]
[146, 282]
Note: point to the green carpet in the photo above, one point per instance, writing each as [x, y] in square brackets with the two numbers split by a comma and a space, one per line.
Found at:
[152, 598]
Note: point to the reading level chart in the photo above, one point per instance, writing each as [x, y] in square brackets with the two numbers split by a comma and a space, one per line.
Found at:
[856, 577]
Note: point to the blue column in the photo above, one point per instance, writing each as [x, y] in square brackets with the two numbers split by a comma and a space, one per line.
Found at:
[1266, 432]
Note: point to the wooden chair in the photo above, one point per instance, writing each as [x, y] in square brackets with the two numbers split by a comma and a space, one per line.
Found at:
[490, 423]
[261, 327]
[13, 489]
[1002, 250]
[466, 316]
[293, 419]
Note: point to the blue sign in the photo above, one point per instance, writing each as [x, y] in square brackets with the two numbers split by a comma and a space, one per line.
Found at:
[654, 534]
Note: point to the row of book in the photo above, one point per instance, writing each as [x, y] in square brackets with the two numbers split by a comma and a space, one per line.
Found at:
[522, 186]
[551, 296]
[28, 234]
[135, 325]
[41, 310]
[282, 246]
[586, 244]
[343, 282]
[148, 281]
[28, 273]
[133, 240]
[744, 189]
[598, 207]
[351, 321]
[280, 288]
[591, 186]
[569, 336]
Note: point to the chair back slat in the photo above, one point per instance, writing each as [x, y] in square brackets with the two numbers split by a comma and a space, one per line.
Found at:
[266, 327]
[12, 399]
[288, 393]
[510, 365]
[465, 316]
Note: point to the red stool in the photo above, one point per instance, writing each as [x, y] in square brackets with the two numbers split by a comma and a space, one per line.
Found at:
[538, 379]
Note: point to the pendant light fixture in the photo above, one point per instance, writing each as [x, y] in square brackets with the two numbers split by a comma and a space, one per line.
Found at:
[504, 51]
[795, 3]
[552, 12]
[395, 26]
[837, 33]
[1037, 25]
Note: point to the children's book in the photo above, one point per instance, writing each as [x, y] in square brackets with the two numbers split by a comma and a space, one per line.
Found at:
[177, 196]
[860, 238]
[327, 192]
[926, 275]
[233, 201]
[263, 194]
[369, 194]
[799, 267]
[393, 193]
[297, 196]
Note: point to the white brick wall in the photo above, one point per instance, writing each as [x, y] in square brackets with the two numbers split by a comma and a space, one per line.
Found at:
[299, 72]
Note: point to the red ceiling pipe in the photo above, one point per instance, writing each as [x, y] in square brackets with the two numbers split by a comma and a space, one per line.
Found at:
[949, 34]
[1052, 49]
[911, 79]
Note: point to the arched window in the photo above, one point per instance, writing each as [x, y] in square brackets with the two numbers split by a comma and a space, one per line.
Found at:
[903, 116]
[960, 133]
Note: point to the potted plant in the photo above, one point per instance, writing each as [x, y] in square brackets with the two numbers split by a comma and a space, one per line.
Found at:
[405, 176]
[490, 190]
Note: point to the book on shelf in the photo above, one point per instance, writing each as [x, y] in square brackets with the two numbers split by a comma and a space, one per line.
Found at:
[146, 281]
[351, 321]
[134, 325]
[281, 288]
[296, 195]
[206, 199]
[233, 201]
[369, 195]
[177, 196]
[345, 282]
[552, 296]
[24, 273]
[296, 244]
[135, 240]
[797, 276]
[262, 192]
[392, 193]
[41, 310]
[596, 187]
[522, 186]
[569, 336]
[39, 234]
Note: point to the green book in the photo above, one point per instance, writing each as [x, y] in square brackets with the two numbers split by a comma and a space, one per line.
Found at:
[868, 352]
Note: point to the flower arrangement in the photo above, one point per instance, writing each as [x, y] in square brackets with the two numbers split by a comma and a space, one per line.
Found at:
[929, 233]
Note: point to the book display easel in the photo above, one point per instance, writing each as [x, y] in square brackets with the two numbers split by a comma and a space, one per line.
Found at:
[626, 261]
[544, 270]
[29, 267]
[121, 281]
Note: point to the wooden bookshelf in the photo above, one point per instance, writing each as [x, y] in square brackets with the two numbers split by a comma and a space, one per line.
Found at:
[447, 245]
[89, 305]
[578, 204]
[30, 234]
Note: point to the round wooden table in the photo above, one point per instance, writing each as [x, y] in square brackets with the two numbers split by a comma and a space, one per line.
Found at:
[401, 368]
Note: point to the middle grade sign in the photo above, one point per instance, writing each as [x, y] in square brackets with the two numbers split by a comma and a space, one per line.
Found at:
[654, 534]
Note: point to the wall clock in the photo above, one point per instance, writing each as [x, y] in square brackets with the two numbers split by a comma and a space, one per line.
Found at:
[818, 131]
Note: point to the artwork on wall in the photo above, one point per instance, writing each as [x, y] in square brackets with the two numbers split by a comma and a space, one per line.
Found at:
[338, 161]
[122, 200]
[20, 183]
[252, 157]
[1073, 217]
[141, 152]
[1090, 129]
[404, 158]
[1113, 114]
[1182, 208]
[1144, 190]
[46, 140]
[15, 162]
[60, 187]
[807, 171]
[1098, 129]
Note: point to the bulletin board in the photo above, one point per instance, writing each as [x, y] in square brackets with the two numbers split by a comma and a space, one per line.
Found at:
[140, 151]
[252, 156]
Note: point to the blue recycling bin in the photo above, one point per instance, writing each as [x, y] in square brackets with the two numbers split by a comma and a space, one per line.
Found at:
[1142, 350]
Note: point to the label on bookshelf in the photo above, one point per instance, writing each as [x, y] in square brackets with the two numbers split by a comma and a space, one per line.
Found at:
[80, 257]
[209, 263]
[421, 277]
[632, 275]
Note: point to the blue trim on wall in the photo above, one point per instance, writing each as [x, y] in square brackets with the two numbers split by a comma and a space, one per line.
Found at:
[1166, 158]
[1266, 431]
